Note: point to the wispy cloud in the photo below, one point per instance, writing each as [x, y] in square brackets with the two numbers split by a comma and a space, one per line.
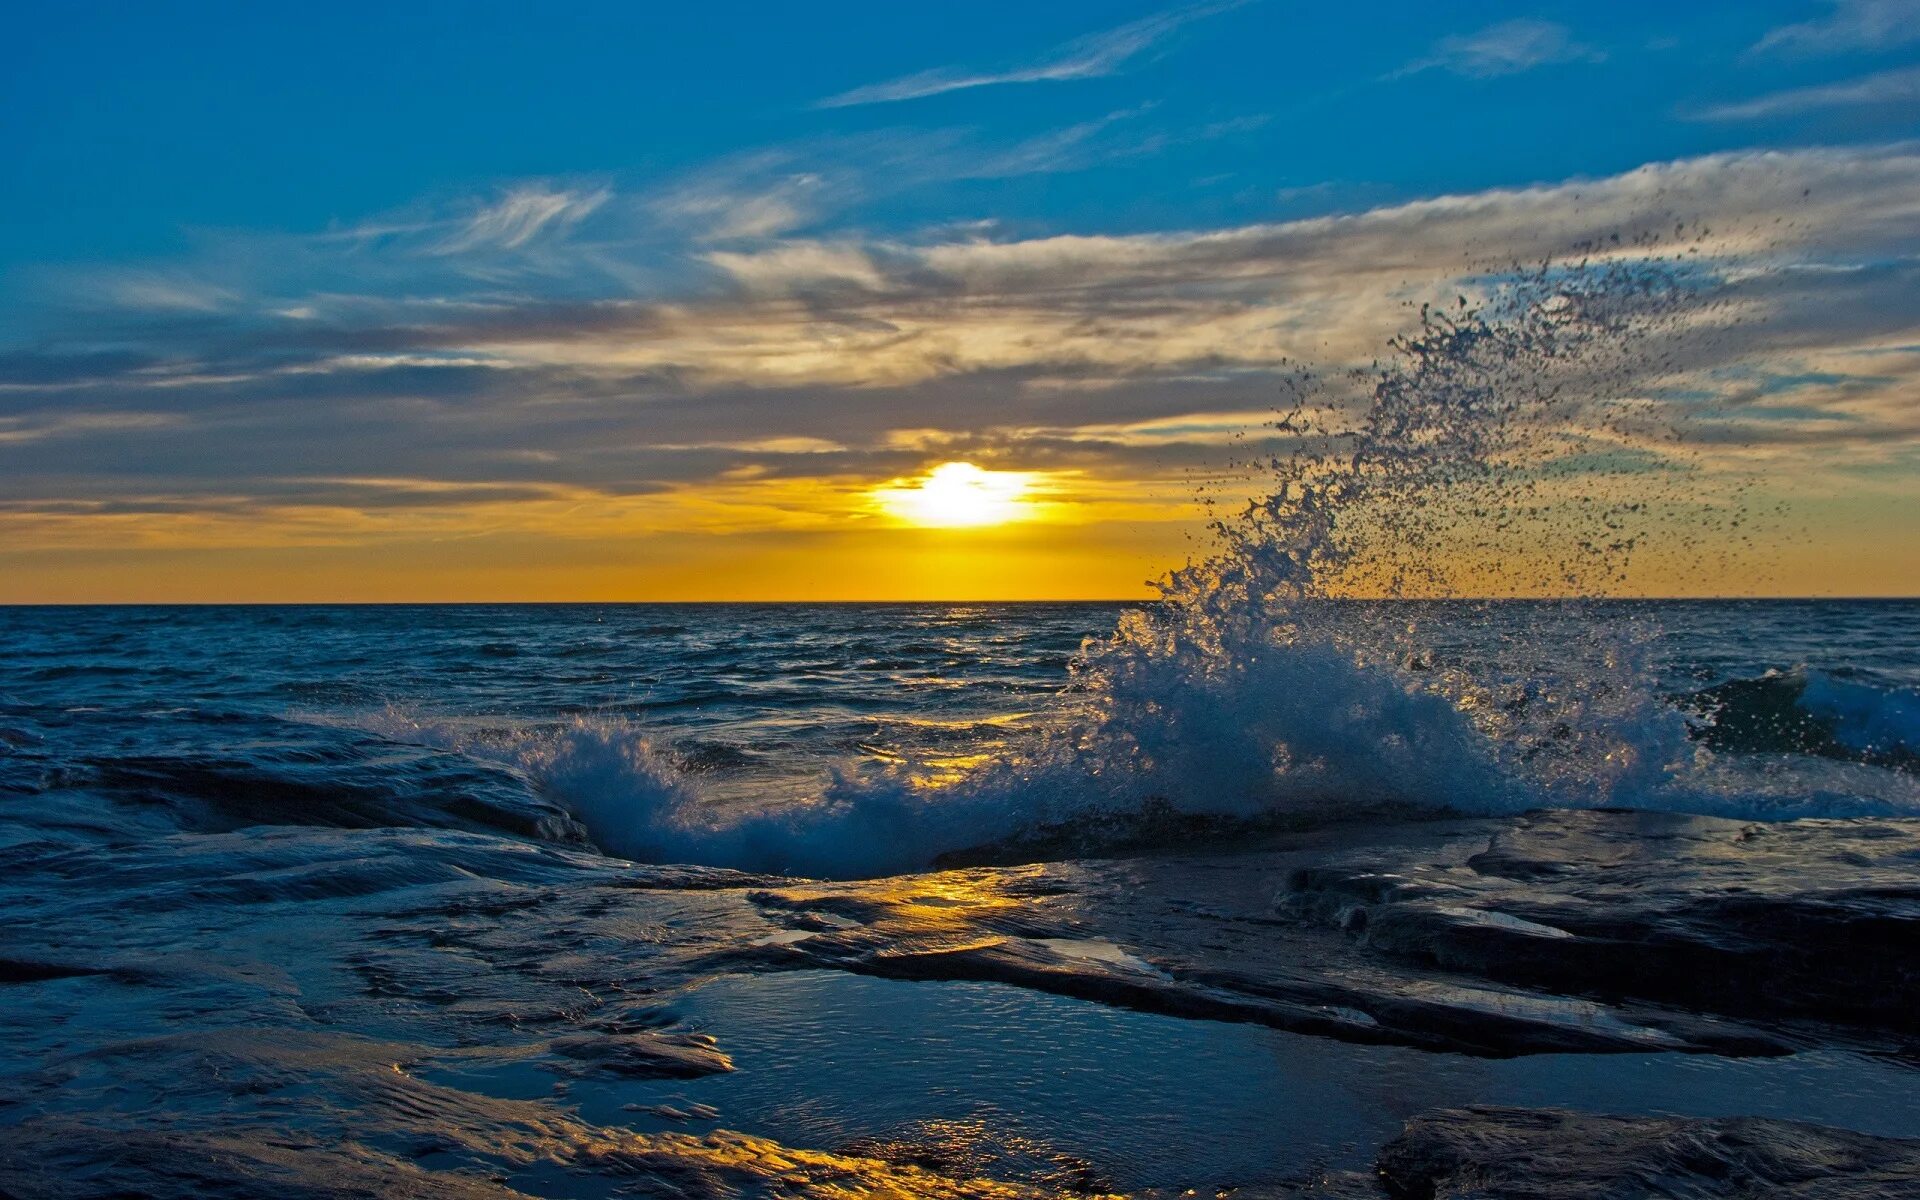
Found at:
[799, 188]
[446, 257]
[850, 356]
[156, 291]
[1083, 58]
[1071, 148]
[1899, 86]
[1504, 49]
[1852, 25]
[519, 217]
[756, 195]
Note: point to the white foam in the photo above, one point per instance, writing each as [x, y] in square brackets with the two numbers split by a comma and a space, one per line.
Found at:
[1247, 690]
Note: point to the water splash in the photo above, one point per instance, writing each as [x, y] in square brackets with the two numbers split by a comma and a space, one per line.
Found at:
[1512, 445]
[1260, 675]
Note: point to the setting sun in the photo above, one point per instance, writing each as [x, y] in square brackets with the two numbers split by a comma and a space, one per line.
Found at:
[958, 495]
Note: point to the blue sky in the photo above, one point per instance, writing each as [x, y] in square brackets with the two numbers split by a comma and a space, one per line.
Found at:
[128, 127]
[202, 202]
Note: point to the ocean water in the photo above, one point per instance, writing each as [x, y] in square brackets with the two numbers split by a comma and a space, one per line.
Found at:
[1502, 448]
[667, 730]
[404, 889]
[304, 876]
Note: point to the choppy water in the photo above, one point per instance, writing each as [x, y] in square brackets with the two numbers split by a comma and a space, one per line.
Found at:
[1505, 445]
[125, 722]
[256, 857]
[356, 883]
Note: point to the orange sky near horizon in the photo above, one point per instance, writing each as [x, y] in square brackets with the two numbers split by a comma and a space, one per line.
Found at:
[1842, 547]
[976, 420]
[920, 307]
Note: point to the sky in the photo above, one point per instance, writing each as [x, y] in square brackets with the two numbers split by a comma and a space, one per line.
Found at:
[618, 301]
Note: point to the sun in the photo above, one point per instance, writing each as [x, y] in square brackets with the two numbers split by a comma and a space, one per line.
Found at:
[958, 495]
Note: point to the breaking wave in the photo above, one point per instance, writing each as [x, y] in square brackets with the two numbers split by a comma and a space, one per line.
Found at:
[1506, 447]
[1308, 735]
[1811, 712]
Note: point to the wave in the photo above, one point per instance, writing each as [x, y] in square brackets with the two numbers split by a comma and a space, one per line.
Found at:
[324, 787]
[1812, 712]
[1503, 448]
[1313, 733]
[637, 803]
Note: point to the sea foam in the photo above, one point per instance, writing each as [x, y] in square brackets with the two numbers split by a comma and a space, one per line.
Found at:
[1506, 446]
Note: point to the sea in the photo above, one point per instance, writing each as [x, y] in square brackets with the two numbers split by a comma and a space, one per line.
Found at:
[670, 731]
[214, 821]
[501, 900]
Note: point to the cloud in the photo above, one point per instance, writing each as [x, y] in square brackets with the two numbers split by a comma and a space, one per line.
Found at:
[157, 292]
[547, 242]
[1508, 48]
[1070, 148]
[801, 267]
[638, 392]
[16, 430]
[755, 195]
[520, 216]
[1853, 25]
[1083, 58]
[1900, 86]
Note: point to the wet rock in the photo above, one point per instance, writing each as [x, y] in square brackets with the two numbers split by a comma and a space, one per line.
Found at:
[73, 1159]
[15, 970]
[645, 1055]
[1487, 1153]
[1327, 1185]
[1134, 933]
[212, 794]
[1809, 919]
[207, 1049]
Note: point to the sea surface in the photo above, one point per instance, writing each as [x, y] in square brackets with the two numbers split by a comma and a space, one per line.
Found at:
[507, 900]
[221, 827]
[115, 721]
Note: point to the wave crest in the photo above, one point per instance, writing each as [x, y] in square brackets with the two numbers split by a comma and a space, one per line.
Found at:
[1504, 448]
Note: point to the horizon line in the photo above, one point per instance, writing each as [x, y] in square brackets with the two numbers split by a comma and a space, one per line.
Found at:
[1720, 599]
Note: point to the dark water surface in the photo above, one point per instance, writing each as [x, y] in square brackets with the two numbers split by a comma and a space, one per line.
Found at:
[355, 872]
[759, 703]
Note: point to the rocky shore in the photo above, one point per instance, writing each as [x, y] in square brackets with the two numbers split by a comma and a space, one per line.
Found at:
[328, 1012]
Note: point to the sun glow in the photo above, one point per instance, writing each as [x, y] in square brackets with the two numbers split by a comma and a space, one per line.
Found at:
[958, 495]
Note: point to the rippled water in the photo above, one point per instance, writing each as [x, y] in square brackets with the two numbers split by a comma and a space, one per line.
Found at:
[283, 876]
[113, 719]
[346, 897]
